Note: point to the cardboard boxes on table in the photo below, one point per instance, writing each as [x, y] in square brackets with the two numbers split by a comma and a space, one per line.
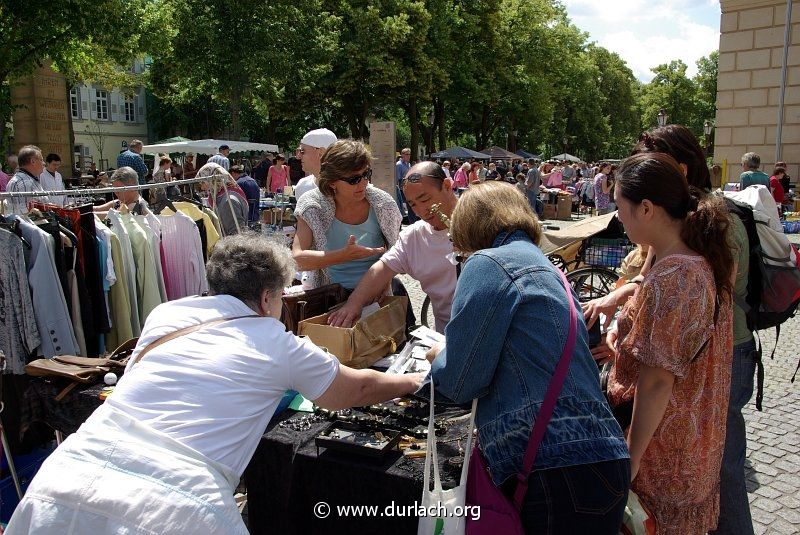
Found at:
[558, 207]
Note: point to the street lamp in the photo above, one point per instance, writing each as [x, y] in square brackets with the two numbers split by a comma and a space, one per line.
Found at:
[708, 127]
[662, 117]
[514, 141]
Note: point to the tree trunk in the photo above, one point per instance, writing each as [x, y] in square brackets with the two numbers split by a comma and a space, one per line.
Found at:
[236, 127]
[412, 123]
[440, 122]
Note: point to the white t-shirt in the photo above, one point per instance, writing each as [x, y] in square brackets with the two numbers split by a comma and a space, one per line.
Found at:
[421, 251]
[304, 185]
[215, 390]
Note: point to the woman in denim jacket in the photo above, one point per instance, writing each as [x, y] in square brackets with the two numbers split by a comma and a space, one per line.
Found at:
[509, 324]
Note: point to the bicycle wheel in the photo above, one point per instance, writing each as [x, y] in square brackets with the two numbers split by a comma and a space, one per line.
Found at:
[592, 282]
[426, 314]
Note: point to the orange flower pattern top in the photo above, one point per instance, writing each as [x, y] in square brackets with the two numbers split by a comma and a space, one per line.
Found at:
[665, 325]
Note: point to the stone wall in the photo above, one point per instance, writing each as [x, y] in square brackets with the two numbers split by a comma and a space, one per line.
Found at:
[748, 87]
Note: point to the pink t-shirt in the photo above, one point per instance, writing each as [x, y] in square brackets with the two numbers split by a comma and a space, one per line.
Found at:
[279, 178]
[421, 251]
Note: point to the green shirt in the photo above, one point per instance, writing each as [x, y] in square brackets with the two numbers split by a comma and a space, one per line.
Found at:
[749, 178]
[741, 255]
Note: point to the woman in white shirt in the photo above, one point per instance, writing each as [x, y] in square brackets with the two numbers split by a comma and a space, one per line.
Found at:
[166, 450]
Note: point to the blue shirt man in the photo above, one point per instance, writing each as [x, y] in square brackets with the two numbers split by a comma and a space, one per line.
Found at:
[132, 158]
[251, 191]
[400, 169]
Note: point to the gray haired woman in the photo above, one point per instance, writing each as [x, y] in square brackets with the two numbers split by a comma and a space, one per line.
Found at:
[165, 452]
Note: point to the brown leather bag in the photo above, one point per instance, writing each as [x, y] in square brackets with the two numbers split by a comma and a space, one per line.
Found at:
[86, 370]
[310, 303]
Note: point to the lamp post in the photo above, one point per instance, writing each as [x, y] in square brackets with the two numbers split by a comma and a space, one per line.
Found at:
[708, 127]
[513, 147]
[662, 117]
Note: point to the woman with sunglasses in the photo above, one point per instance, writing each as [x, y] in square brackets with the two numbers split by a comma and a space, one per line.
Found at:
[346, 224]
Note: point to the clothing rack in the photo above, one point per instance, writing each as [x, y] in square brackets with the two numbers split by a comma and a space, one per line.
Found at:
[215, 180]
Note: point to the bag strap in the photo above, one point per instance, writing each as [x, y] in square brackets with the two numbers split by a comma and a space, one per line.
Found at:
[550, 399]
[186, 330]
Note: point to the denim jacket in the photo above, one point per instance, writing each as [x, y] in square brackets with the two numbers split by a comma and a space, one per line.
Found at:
[509, 324]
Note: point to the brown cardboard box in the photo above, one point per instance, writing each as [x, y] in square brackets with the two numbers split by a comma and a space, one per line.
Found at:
[564, 208]
[549, 211]
[366, 342]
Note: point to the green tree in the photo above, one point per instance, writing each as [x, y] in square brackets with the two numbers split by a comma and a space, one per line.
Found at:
[706, 89]
[672, 90]
[85, 39]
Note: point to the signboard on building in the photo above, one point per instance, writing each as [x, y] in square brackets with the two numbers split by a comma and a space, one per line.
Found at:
[382, 145]
[41, 116]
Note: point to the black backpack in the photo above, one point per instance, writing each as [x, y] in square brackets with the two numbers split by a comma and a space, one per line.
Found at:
[773, 287]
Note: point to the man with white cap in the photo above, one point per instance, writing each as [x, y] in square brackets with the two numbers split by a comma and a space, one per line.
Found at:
[312, 147]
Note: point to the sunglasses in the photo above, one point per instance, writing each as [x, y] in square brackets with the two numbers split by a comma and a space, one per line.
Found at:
[413, 178]
[358, 178]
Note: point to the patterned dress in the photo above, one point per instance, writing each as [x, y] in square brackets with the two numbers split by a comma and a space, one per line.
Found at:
[665, 325]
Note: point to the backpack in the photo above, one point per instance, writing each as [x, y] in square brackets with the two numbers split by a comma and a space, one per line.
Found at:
[773, 285]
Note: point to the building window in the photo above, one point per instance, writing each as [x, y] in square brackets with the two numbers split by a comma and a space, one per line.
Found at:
[75, 102]
[130, 109]
[101, 97]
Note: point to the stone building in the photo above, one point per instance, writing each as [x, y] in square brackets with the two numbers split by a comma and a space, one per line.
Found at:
[758, 87]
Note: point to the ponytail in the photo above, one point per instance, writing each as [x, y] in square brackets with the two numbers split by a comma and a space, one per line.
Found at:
[705, 230]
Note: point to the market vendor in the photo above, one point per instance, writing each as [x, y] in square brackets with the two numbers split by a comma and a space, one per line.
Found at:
[346, 224]
[166, 450]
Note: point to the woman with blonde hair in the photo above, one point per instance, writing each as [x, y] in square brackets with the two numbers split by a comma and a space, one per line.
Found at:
[581, 473]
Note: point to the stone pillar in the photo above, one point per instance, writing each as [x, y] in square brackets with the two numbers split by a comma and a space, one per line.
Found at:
[42, 115]
[382, 146]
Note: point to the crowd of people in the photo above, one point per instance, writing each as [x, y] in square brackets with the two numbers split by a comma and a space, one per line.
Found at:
[668, 425]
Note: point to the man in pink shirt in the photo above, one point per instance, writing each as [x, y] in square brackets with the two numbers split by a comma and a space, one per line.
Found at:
[421, 250]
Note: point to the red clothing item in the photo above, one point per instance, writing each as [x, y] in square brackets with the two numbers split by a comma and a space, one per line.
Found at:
[777, 190]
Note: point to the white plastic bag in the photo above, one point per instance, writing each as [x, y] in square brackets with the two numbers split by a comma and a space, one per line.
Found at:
[445, 504]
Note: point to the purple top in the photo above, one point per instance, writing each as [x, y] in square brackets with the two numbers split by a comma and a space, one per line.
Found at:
[601, 200]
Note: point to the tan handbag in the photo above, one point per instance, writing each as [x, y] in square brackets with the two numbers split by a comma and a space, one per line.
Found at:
[366, 342]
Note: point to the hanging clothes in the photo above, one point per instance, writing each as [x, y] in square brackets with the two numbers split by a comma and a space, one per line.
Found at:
[19, 334]
[183, 255]
[152, 227]
[49, 304]
[194, 211]
[146, 283]
[118, 297]
[128, 268]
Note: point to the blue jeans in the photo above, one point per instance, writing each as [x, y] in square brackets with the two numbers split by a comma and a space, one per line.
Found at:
[402, 204]
[587, 498]
[734, 507]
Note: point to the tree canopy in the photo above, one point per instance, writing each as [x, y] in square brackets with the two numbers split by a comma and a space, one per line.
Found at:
[514, 73]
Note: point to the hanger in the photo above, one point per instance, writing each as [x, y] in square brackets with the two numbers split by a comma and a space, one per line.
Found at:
[13, 227]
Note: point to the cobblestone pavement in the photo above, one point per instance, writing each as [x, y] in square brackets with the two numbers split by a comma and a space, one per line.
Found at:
[773, 460]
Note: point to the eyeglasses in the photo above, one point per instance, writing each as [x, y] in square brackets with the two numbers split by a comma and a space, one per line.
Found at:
[353, 180]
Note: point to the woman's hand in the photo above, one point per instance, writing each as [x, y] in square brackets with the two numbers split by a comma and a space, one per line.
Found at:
[434, 352]
[605, 352]
[353, 251]
[606, 305]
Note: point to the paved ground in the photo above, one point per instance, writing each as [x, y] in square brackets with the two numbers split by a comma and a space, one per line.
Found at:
[773, 465]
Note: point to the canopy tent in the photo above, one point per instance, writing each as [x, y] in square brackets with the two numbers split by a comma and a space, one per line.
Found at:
[565, 156]
[172, 140]
[208, 146]
[499, 153]
[460, 153]
[528, 155]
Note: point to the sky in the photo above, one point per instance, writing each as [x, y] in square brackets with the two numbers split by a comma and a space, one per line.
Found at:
[646, 36]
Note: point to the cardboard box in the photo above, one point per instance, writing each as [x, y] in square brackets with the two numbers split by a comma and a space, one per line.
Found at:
[564, 208]
[366, 342]
[549, 211]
